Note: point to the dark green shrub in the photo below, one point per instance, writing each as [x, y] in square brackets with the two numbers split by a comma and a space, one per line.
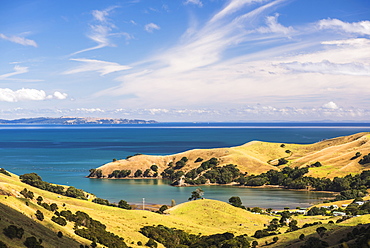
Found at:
[3, 245]
[13, 231]
[124, 204]
[27, 194]
[59, 220]
[32, 242]
[39, 215]
[151, 243]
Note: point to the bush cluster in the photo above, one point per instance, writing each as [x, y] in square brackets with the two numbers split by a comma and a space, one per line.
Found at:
[35, 180]
[174, 238]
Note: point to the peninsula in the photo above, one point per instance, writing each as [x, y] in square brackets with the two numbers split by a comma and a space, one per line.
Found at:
[73, 121]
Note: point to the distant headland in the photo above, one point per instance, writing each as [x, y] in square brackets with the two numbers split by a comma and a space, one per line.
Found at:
[73, 121]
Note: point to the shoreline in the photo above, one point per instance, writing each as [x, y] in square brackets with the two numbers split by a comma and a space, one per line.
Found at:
[233, 184]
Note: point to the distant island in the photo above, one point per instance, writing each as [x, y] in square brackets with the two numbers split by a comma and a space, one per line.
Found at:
[74, 121]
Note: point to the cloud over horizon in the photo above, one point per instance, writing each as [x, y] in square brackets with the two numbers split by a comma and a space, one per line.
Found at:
[8, 95]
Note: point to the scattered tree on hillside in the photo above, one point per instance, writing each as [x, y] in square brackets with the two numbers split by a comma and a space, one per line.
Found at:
[13, 231]
[196, 194]
[138, 173]
[39, 215]
[123, 204]
[32, 242]
[236, 202]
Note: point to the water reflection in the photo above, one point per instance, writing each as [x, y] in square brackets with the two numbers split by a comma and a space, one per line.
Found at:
[157, 191]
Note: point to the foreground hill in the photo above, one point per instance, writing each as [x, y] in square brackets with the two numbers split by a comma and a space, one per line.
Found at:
[337, 157]
[200, 217]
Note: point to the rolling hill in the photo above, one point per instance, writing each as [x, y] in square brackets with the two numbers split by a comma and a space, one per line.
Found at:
[199, 217]
[336, 156]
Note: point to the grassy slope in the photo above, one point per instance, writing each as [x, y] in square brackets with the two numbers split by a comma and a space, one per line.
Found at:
[201, 216]
[205, 216]
[256, 157]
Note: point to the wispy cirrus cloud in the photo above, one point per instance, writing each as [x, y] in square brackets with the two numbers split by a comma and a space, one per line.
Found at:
[362, 27]
[18, 70]
[202, 69]
[150, 27]
[195, 2]
[101, 30]
[24, 94]
[19, 40]
[102, 67]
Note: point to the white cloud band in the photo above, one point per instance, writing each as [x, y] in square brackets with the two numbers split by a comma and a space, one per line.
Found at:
[8, 95]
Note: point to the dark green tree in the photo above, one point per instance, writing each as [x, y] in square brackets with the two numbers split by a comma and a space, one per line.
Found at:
[124, 204]
[32, 242]
[151, 243]
[138, 173]
[39, 215]
[235, 201]
[196, 194]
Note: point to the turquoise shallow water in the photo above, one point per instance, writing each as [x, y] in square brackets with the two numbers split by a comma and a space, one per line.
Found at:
[64, 154]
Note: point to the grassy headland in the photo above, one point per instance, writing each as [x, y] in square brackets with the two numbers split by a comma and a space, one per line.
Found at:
[337, 157]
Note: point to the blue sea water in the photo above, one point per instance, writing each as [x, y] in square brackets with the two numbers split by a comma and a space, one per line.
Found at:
[64, 155]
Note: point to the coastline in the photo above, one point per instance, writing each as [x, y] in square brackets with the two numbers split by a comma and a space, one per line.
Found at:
[233, 184]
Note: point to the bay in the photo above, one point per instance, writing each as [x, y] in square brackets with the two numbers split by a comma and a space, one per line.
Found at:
[64, 154]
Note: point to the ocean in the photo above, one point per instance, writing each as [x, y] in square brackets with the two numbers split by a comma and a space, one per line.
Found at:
[64, 155]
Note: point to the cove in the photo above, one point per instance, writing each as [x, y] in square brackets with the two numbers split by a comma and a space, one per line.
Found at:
[157, 191]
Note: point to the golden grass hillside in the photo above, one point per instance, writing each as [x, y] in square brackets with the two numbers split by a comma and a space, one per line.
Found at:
[203, 217]
[257, 157]
[200, 216]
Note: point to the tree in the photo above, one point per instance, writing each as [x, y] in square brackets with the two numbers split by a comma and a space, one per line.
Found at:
[39, 215]
[13, 231]
[32, 242]
[196, 194]
[123, 204]
[154, 167]
[321, 231]
[27, 194]
[162, 209]
[59, 220]
[254, 244]
[138, 173]
[146, 173]
[151, 243]
[173, 203]
[302, 236]
[275, 239]
[282, 161]
[53, 207]
[235, 201]
[60, 234]
[314, 242]
[3, 245]
[76, 193]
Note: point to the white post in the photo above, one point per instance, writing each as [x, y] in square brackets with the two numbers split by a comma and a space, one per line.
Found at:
[143, 203]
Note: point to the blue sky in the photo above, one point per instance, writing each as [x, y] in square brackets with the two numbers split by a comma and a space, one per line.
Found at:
[186, 60]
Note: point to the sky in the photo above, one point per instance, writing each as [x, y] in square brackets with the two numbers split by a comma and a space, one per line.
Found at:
[186, 60]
